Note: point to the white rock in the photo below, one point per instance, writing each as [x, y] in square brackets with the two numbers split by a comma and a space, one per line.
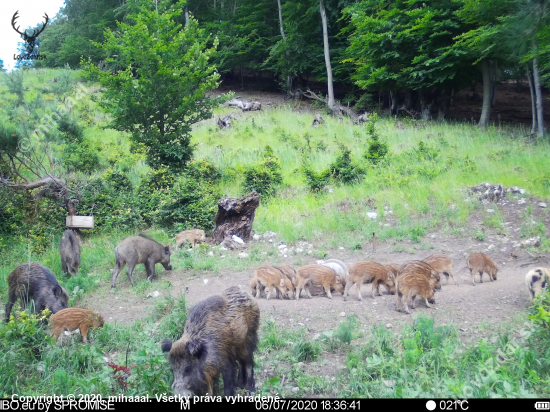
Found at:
[223, 248]
[309, 252]
[206, 280]
[280, 247]
[210, 253]
[521, 201]
[341, 248]
[522, 191]
[222, 256]
[343, 314]
[372, 215]
[490, 211]
[256, 237]
[243, 255]
[154, 294]
[490, 247]
[299, 250]
[389, 384]
[237, 239]
[389, 326]
[269, 234]
[285, 255]
[542, 204]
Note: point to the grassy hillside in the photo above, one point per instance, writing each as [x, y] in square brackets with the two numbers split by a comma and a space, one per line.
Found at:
[417, 188]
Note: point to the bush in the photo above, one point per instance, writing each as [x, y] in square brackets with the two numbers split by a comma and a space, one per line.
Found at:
[343, 168]
[377, 150]
[265, 176]
[109, 197]
[315, 182]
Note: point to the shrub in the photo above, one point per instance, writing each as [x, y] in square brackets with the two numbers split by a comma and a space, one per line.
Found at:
[377, 150]
[265, 176]
[343, 168]
[315, 182]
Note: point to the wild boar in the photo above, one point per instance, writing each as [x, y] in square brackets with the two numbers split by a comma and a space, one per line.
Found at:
[409, 286]
[337, 265]
[272, 280]
[417, 266]
[75, 318]
[318, 275]
[368, 272]
[393, 268]
[32, 281]
[536, 280]
[443, 264]
[193, 236]
[479, 263]
[220, 334]
[140, 249]
[69, 249]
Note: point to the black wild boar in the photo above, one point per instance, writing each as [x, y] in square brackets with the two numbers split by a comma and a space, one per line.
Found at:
[32, 281]
[69, 249]
[220, 334]
[140, 249]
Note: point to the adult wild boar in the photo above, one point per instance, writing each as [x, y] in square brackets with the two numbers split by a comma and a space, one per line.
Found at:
[140, 249]
[32, 281]
[220, 334]
[69, 249]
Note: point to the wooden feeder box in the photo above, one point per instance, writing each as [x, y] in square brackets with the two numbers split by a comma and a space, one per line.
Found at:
[80, 222]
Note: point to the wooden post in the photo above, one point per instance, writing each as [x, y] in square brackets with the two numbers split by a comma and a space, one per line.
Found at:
[373, 243]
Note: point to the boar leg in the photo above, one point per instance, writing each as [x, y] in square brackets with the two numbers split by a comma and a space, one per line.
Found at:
[118, 268]
[269, 291]
[427, 303]
[228, 372]
[129, 271]
[452, 275]
[150, 269]
[473, 277]
[84, 332]
[327, 291]
[358, 289]
[11, 301]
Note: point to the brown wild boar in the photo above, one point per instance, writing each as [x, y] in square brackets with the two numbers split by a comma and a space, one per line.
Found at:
[32, 281]
[193, 236]
[272, 280]
[368, 272]
[290, 274]
[69, 249]
[409, 286]
[417, 266]
[220, 334]
[536, 280]
[479, 263]
[140, 249]
[318, 275]
[393, 268]
[443, 264]
[76, 318]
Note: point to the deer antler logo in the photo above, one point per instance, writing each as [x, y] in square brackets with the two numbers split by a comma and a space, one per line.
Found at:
[30, 40]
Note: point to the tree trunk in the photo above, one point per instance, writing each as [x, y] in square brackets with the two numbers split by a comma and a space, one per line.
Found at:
[331, 104]
[186, 12]
[426, 103]
[486, 107]
[288, 77]
[235, 217]
[533, 104]
[538, 94]
[393, 103]
[493, 83]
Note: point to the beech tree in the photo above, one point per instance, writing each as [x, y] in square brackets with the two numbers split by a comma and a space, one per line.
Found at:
[162, 86]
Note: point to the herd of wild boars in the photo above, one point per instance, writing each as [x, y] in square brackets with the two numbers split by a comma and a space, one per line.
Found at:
[409, 280]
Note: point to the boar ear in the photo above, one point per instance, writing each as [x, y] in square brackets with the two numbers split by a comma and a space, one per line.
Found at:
[57, 291]
[195, 348]
[166, 345]
[282, 283]
[169, 249]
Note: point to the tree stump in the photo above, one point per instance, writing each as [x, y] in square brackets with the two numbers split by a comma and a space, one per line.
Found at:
[235, 217]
